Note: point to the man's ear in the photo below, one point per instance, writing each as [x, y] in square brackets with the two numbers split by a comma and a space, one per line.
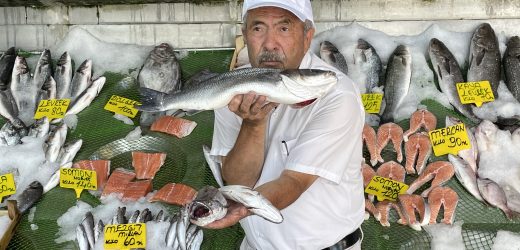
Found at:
[308, 38]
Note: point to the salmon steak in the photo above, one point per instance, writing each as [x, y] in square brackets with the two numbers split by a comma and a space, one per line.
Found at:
[368, 173]
[174, 126]
[417, 150]
[412, 203]
[137, 189]
[385, 133]
[371, 209]
[446, 197]
[175, 193]
[383, 208]
[102, 168]
[146, 165]
[118, 181]
[370, 139]
[392, 170]
[439, 171]
[421, 118]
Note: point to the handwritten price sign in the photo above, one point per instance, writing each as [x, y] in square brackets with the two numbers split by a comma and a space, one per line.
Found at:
[449, 140]
[385, 189]
[78, 179]
[7, 186]
[372, 102]
[122, 106]
[125, 236]
[52, 108]
[475, 92]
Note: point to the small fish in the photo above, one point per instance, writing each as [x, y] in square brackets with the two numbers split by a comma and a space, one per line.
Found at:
[171, 234]
[196, 241]
[367, 69]
[81, 80]
[40, 128]
[55, 142]
[446, 197]
[286, 87]
[385, 133]
[98, 230]
[159, 217]
[418, 150]
[511, 64]
[86, 97]
[214, 166]
[439, 171]
[55, 178]
[421, 118]
[6, 67]
[398, 77]
[88, 225]
[182, 225]
[69, 151]
[331, 55]
[29, 196]
[63, 76]
[484, 57]
[495, 196]
[470, 155]
[133, 218]
[81, 237]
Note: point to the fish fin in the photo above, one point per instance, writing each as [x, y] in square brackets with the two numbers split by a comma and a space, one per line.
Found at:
[151, 100]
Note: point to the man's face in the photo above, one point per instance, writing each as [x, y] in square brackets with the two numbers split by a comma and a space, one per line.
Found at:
[275, 38]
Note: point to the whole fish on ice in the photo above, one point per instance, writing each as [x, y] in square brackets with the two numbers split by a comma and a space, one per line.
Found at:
[398, 77]
[331, 55]
[511, 64]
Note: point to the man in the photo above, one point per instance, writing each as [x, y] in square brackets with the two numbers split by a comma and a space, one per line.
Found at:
[305, 161]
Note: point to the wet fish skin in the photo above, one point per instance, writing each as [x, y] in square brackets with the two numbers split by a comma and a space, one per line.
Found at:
[470, 155]
[511, 62]
[182, 226]
[196, 241]
[133, 218]
[161, 70]
[484, 57]
[331, 55]
[40, 128]
[286, 87]
[81, 237]
[494, 195]
[98, 230]
[22, 88]
[63, 76]
[397, 83]
[81, 79]
[48, 90]
[43, 69]
[6, 67]
[55, 178]
[10, 135]
[8, 107]
[159, 217]
[88, 225]
[141, 218]
[368, 62]
[55, 142]
[86, 97]
[69, 151]
[449, 74]
[466, 176]
[171, 234]
[29, 196]
[209, 205]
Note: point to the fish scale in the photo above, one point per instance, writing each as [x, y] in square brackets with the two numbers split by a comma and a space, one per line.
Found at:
[511, 64]
[398, 77]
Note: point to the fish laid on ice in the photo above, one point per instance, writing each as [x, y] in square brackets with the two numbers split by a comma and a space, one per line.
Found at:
[466, 176]
[484, 57]
[386, 132]
[446, 197]
[370, 139]
[63, 76]
[146, 165]
[6, 67]
[86, 97]
[48, 90]
[412, 203]
[55, 178]
[331, 55]
[11, 135]
[495, 196]
[398, 77]
[418, 150]
[391, 170]
[178, 127]
[470, 155]
[367, 69]
[81, 80]
[286, 87]
[8, 107]
[88, 225]
[383, 209]
[69, 151]
[420, 118]
[81, 236]
[175, 193]
[39, 128]
[511, 64]
[449, 74]
[23, 90]
[43, 69]
[29, 196]
[439, 171]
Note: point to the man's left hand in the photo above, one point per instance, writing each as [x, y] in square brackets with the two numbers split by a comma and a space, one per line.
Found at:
[235, 213]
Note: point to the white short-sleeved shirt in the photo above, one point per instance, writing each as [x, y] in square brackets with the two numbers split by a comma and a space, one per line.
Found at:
[323, 139]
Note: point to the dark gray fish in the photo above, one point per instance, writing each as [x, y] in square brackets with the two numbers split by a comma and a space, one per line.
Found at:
[161, 71]
[448, 74]
[98, 230]
[29, 196]
[143, 216]
[160, 216]
[63, 76]
[8, 107]
[511, 64]
[331, 55]
[484, 57]
[88, 225]
[368, 66]
[397, 83]
[81, 80]
[134, 216]
[43, 69]
[6, 67]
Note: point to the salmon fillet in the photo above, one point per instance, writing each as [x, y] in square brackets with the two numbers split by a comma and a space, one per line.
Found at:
[137, 189]
[118, 181]
[417, 147]
[389, 132]
[174, 126]
[421, 118]
[175, 193]
[102, 168]
[146, 165]
[446, 197]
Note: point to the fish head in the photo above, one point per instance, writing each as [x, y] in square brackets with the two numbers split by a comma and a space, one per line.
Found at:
[85, 67]
[513, 47]
[45, 58]
[402, 52]
[209, 205]
[64, 59]
[450, 121]
[162, 53]
[485, 134]
[20, 66]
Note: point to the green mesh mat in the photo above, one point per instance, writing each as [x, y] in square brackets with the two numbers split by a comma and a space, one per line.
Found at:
[102, 135]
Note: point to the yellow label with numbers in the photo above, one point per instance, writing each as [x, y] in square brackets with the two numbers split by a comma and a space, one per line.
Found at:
[125, 236]
[122, 106]
[385, 188]
[372, 102]
[475, 92]
[52, 108]
[7, 186]
[449, 140]
[78, 179]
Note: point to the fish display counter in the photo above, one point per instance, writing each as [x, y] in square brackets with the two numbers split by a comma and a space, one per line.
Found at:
[149, 167]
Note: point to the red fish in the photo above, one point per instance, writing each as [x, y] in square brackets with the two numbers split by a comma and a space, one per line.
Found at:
[175, 193]
[174, 126]
[146, 165]
[102, 168]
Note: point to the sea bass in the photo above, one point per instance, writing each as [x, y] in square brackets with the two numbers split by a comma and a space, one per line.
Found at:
[6, 67]
[448, 74]
[331, 55]
[286, 87]
[29, 196]
[484, 57]
[63, 76]
[512, 66]
[81, 80]
[43, 69]
[398, 77]
[367, 69]
[23, 90]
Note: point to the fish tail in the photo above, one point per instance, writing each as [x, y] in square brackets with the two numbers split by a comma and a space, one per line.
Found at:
[151, 100]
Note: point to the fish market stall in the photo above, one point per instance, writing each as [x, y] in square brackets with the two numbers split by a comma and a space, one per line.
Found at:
[148, 170]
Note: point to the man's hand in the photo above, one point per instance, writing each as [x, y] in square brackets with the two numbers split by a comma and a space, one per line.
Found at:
[235, 213]
[251, 108]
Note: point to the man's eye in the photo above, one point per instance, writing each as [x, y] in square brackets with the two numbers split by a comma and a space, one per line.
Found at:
[284, 29]
[256, 28]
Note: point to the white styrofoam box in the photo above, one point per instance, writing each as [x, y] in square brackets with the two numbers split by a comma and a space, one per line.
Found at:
[32, 37]
[48, 15]
[83, 15]
[12, 15]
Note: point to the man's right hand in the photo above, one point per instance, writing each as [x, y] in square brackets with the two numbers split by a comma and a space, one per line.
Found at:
[251, 108]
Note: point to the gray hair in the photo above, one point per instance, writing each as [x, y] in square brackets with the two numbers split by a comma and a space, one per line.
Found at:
[307, 25]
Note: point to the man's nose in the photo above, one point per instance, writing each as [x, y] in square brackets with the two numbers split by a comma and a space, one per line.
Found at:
[271, 41]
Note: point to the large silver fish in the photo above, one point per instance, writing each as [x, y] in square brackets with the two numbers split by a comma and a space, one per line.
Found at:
[367, 69]
[466, 176]
[8, 107]
[470, 155]
[286, 87]
[448, 74]
[23, 90]
[512, 66]
[63, 76]
[43, 69]
[6, 67]
[81, 80]
[484, 57]
[398, 77]
[331, 55]
[86, 97]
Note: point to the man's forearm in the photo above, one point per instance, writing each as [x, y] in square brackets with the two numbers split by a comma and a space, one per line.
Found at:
[285, 190]
[243, 164]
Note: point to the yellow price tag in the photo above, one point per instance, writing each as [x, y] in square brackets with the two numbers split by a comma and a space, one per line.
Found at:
[385, 189]
[449, 140]
[372, 102]
[122, 106]
[475, 92]
[125, 236]
[7, 186]
[52, 108]
[78, 179]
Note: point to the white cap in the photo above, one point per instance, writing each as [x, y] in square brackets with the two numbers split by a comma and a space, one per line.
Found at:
[300, 8]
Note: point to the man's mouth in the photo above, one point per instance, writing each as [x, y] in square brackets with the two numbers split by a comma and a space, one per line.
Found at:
[270, 64]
